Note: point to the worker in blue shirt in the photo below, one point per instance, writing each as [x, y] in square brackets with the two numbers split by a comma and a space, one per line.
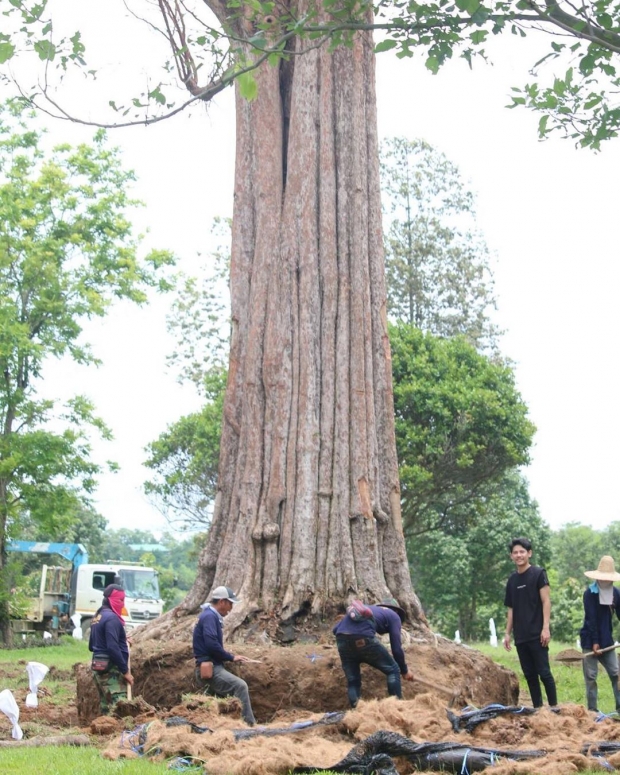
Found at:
[357, 644]
[208, 645]
[108, 642]
[601, 601]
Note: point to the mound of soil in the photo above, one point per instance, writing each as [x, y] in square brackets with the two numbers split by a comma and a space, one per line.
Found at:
[302, 677]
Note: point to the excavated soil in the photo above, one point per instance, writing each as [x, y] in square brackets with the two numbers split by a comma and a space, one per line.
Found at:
[302, 677]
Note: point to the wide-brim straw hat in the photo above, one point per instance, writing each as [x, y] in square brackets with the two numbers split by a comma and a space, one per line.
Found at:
[606, 570]
[391, 602]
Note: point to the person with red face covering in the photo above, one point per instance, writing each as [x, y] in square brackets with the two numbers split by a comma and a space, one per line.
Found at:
[108, 642]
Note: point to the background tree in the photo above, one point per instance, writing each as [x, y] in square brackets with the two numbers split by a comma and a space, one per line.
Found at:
[461, 574]
[184, 459]
[66, 251]
[578, 548]
[461, 425]
[437, 263]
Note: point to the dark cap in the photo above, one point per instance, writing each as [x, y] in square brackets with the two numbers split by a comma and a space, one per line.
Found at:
[391, 602]
[112, 588]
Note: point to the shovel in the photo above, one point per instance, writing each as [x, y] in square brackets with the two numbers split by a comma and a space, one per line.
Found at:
[454, 694]
[572, 655]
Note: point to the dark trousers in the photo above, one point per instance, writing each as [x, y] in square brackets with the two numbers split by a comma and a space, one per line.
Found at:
[534, 659]
[355, 651]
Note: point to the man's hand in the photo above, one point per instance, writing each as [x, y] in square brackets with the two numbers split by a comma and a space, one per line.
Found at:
[596, 648]
[545, 636]
[128, 678]
[408, 676]
[507, 645]
[239, 658]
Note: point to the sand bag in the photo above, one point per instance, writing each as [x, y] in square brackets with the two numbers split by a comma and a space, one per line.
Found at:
[36, 673]
[9, 707]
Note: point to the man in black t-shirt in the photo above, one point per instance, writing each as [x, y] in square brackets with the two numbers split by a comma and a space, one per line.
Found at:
[529, 611]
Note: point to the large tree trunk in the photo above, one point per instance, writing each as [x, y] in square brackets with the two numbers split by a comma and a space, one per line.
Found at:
[307, 512]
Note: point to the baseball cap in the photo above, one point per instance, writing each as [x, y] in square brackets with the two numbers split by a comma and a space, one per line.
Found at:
[224, 593]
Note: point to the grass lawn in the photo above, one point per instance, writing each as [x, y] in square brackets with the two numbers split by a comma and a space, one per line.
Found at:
[568, 678]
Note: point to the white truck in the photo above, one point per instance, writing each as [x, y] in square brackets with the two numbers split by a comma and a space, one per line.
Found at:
[65, 591]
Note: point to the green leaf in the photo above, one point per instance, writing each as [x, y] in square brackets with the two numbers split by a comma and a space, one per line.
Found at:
[432, 64]
[45, 49]
[479, 36]
[385, 45]
[157, 96]
[6, 52]
[248, 88]
[542, 126]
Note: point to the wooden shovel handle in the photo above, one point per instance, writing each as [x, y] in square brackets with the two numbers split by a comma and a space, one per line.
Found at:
[129, 688]
[602, 651]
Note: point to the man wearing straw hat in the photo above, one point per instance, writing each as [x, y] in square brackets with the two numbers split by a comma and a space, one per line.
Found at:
[600, 601]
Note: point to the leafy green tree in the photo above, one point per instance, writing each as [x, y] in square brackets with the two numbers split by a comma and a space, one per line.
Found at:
[437, 263]
[461, 575]
[199, 317]
[577, 548]
[566, 607]
[461, 425]
[66, 252]
[185, 458]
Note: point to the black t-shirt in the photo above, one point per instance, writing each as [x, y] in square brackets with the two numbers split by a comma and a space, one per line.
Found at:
[523, 596]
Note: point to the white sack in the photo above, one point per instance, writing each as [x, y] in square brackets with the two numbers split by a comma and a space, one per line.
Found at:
[77, 626]
[36, 673]
[9, 707]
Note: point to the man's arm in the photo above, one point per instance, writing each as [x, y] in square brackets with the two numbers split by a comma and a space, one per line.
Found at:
[394, 629]
[507, 645]
[545, 597]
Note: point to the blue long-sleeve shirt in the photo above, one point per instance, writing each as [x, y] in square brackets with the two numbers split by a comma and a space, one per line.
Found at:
[598, 622]
[208, 639]
[385, 622]
[107, 636]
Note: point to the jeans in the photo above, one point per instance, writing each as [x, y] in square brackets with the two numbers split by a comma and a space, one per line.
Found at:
[534, 660]
[609, 660]
[225, 684]
[355, 651]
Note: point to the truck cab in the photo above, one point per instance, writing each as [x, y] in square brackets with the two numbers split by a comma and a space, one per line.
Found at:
[141, 585]
[79, 589]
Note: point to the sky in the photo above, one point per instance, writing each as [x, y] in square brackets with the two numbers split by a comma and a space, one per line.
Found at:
[547, 210]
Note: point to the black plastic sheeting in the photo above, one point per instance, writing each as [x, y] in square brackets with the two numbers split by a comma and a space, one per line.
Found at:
[298, 726]
[375, 755]
[469, 719]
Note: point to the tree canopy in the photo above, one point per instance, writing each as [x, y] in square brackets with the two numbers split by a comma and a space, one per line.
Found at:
[67, 250]
[578, 100]
[460, 574]
[437, 262]
[461, 424]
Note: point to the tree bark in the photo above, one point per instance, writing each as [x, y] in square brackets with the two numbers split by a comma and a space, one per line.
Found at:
[307, 513]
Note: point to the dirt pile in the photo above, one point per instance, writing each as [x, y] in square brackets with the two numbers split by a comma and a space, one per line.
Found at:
[305, 678]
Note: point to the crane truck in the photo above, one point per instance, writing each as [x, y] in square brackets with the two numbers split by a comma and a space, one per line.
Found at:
[65, 591]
